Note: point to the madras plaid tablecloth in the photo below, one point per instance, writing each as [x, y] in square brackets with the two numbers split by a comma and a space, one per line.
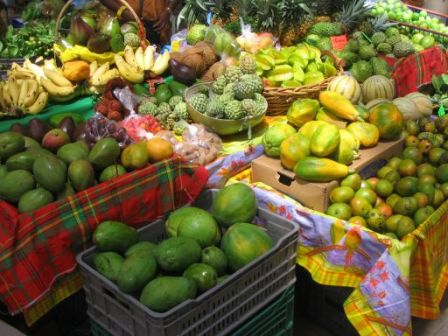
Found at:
[392, 279]
[38, 249]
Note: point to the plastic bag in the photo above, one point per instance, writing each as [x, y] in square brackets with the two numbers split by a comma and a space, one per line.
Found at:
[252, 42]
[83, 53]
[179, 41]
[99, 127]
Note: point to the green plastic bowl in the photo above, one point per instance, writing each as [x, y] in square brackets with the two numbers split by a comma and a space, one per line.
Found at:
[219, 126]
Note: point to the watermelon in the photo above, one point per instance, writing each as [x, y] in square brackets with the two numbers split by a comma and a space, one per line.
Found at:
[235, 203]
[347, 86]
[388, 119]
[378, 87]
[243, 243]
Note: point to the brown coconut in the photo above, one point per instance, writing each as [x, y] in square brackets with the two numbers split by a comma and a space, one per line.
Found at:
[216, 70]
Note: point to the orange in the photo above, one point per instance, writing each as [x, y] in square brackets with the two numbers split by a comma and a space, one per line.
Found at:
[159, 149]
[385, 210]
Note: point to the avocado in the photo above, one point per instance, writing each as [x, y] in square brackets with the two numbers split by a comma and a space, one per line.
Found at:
[10, 144]
[108, 264]
[23, 160]
[81, 174]
[177, 253]
[117, 43]
[104, 153]
[141, 246]
[114, 236]
[99, 43]
[19, 128]
[50, 173]
[166, 292]
[34, 199]
[137, 270]
[72, 152]
[14, 184]
[37, 129]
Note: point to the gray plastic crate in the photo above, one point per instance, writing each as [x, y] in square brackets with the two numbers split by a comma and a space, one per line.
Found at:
[215, 312]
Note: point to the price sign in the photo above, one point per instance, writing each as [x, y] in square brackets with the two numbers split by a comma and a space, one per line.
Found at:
[339, 42]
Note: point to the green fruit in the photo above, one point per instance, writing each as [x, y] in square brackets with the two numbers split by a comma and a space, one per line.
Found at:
[427, 188]
[3, 171]
[163, 93]
[104, 153]
[10, 144]
[384, 188]
[352, 181]
[136, 271]
[405, 226]
[392, 223]
[425, 169]
[111, 172]
[341, 194]
[394, 162]
[50, 173]
[325, 140]
[375, 220]
[243, 243]
[274, 136]
[23, 160]
[166, 292]
[34, 199]
[108, 264]
[383, 171]
[422, 214]
[405, 206]
[412, 153]
[235, 203]
[72, 152]
[406, 186]
[435, 155]
[216, 258]
[392, 176]
[368, 194]
[81, 174]
[114, 236]
[143, 246]
[67, 191]
[442, 173]
[14, 184]
[340, 210]
[204, 276]
[30, 143]
[176, 88]
[177, 253]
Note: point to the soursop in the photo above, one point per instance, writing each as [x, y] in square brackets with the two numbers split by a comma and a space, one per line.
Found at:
[199, 102]
[361, 70]
[234, 110]
[233, 73]
[367, 52]
[326, 29]
[393, 39]
[148, 108]
[219, 84]
[248, 64]
[352, 45]
[403, 49]
[181, 111]
[384, 48]
[174, 100]
[378, 37]
[324, 44]
[392, 31]
[215, 109]
[196, 34]
[348, 57]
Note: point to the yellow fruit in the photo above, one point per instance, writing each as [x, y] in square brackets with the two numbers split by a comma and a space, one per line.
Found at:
[159, 149]
[135, 156]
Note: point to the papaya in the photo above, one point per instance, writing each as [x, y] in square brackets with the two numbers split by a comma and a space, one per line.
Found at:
[314, 169]
[348, 149]
[104, 153]
[141, 246]
[324, 115]
[325, 140]
[177, 253]
[204, 275]
[339, 105]
[274, 136]
[301, 111]
[114, 236]
[72, 152]
[81, 174]
[136, 271]
[367, 134]
[388, 119]
[293, 149]
[235, 203]
[108, 264]
[34, 199]
[10, 144]
[22, 160]
[14, 184]
[310, 127]
[50, 173]
[243, 243]
[166, 292]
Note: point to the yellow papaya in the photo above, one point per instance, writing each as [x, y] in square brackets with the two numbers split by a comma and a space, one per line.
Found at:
[325, 140]
[315, 169]
[324, 115]
[366, 133]
[348, 148]
[294, 148]
[339, 105]
[310, 127]
[301, 111]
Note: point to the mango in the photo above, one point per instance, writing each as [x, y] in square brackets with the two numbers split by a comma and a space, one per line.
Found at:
[104, 153]
[81, 174]
[10, 144]
[34, 199]
[72, 152]
[367, 134]
[50, 173]
[136, 271]
[114, 236]
[14, 184]
[108, 264]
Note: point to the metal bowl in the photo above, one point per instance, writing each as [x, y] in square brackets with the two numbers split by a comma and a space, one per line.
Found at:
[219, 126]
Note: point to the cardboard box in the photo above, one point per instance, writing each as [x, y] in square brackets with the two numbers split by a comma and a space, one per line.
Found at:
[316, 195]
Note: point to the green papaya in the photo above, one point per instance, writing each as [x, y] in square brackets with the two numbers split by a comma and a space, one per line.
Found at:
[14, 184]
[114, 236]
[325, 140]
[104, 153]
[81, 174]
[34, 199]
[50, 173]
[10, 144]
[22, 160]
[108, 264]
[310, 127]
[166, 292]
[177, 253]
[141, 246]
[137, 270]
[313, 169]
[72, 152]
[301, 111]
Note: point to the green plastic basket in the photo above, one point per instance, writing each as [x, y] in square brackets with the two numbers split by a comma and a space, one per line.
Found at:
[277, 319]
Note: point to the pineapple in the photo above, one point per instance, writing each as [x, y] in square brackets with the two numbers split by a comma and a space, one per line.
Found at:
[324, 7]
[352, 14]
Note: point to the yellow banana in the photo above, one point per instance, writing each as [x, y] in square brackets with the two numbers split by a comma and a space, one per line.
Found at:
[140, 57]
[64, 99]
[108, 75]
[2, 101]
[57, 78]
[21, 74]
[14, 91]
[94, 80]
[39, 104]
[33, 92]
[54, 90]
[6, 95]
[148, 58]
[130, 73]
[37, 70]
[161, 63]
[129, 56]
[93, 68]
[22, 92]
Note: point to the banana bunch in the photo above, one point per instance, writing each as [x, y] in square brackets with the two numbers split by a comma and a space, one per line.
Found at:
[160, 64]
[22, 96]
[128, 67]
[101, 74]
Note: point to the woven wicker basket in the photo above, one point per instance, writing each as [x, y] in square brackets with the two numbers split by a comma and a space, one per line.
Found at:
[279, 99]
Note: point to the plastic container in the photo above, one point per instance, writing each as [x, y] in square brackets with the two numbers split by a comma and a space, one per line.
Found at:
[215, 312]
[277, 319]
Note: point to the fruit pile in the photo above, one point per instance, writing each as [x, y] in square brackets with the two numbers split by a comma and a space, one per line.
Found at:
[293, 66]
[234, 95]
[188, 262]
[406, 191]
